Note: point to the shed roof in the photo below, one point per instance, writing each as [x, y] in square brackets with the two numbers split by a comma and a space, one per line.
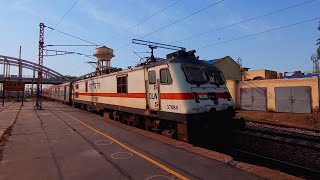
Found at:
[218, 59]
[211, 61]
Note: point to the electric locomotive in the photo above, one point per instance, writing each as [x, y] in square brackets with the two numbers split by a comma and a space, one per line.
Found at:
[180, 97]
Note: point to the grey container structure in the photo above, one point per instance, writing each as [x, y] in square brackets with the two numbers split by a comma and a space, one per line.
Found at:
[253, 98]
[293, 99]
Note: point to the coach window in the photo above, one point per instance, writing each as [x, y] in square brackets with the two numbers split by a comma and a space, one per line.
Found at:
[152, 77]
[165, 77]
[86, 88]
[77, 86]
[122, 84]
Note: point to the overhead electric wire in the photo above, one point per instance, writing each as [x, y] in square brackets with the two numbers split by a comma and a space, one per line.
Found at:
[144, 20]
[64, 16]
[247, 20]
[186, 17]
[65, 53]
[174, 22]
[69, 45]
[72, 36]
[263, 32]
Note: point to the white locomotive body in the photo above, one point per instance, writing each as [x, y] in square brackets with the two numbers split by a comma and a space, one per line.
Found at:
[181, 97]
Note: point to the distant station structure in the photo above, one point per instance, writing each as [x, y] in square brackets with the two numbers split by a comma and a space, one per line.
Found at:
[20, 71]
[50, 76]
[104, 55]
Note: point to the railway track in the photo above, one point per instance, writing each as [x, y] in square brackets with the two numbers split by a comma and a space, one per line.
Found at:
[254, 158]
[307, 141]
[288, 151]
[284, 128]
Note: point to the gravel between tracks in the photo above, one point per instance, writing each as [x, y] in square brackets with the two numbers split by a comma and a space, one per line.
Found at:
[284, 130]
[310, 121]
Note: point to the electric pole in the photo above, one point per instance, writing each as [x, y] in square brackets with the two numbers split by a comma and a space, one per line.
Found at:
[20, 64]
[40, 63]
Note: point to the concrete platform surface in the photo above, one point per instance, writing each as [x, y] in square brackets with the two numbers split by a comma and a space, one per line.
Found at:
[61, 142]
[8, 116]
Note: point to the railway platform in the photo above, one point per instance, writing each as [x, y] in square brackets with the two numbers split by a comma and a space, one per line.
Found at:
[62, 142]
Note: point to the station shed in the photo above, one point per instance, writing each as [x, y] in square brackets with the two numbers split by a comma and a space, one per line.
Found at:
[229, 67]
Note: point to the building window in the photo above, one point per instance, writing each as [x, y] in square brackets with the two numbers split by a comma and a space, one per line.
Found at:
[165, 77]
[86, 88]
[122, 84]
[152, 77]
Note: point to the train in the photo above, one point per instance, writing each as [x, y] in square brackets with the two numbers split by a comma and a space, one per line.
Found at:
[179, 96]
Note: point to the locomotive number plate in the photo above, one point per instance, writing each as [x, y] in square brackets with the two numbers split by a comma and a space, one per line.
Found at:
[173, 107]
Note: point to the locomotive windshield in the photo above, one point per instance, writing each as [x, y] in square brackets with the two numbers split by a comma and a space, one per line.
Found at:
[215, 77]
[201, 75]
[195, 75]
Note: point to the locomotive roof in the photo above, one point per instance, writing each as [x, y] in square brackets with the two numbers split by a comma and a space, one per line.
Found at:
[188, 59]
[182, 60]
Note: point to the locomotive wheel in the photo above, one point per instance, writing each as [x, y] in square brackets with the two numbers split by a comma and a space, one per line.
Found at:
[110, 115]
[120, 117]
[140, 123]
[101, 112]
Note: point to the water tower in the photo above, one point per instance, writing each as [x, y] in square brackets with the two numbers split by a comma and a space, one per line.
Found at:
[104, 55]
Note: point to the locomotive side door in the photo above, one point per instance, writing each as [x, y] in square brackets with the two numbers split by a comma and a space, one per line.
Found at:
[152, 86]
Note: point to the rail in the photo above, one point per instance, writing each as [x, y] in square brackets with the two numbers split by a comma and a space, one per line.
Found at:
[297, 170]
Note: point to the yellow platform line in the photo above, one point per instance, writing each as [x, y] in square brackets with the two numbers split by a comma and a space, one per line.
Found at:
[178, 175]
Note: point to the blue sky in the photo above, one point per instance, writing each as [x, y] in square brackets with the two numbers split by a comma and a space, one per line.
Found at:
[99, 20]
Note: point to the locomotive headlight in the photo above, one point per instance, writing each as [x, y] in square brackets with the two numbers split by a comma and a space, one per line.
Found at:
[216, 102]
[228, 96]
[212, 96]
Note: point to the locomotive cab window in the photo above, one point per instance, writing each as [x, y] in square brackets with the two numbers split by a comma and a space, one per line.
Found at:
[122, 84]
[195, 74]
[165, 77]
[152, 77]
[215, 76]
